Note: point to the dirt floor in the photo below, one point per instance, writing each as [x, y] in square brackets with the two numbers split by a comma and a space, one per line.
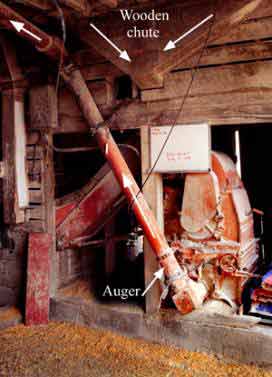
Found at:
[68, 350]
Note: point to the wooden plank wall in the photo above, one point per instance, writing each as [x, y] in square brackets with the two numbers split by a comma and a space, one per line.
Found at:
[232, 86]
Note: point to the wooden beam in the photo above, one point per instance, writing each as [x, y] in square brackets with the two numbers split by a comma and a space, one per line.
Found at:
[252, 30]
[248, 107]
[232, 94]
[15, 72]
[50, 209]
[109, 3]
[44, 116]
[262, 12]
[43, 107]
[243, 107]
[153, 192]
[81, 6]
[39, 4]
[216, 80]
[220, 55]
[149, 62]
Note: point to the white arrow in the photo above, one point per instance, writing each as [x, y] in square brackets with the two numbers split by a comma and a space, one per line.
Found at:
[157, 276]
[20, 26]
[122, 54]
[170, 45]
[126, 181]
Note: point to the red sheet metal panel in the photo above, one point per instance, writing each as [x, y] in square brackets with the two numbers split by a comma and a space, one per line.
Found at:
[85, 212]
[63, 211]
[37, 294]
[93, 209]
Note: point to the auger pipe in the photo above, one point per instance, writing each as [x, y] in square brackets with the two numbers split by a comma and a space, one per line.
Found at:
[49, 45]
[186, 293]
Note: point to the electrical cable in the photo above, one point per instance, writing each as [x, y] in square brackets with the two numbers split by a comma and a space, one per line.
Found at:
[91, 149]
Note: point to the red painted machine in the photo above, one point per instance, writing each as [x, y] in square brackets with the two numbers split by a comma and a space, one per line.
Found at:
[213, 235]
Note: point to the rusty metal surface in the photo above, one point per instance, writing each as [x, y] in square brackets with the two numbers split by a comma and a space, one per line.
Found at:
[37, 293]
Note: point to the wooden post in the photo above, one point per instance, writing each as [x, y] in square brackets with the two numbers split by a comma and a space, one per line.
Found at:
[50, 212]
[15, 189]
[44, 117]
[109, 3]
[153, 192]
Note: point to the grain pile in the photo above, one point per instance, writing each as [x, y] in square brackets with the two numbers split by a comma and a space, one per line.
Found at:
[68, 350]
[79, 288]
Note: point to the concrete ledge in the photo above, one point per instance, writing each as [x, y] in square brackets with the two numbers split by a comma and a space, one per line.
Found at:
[235, 338]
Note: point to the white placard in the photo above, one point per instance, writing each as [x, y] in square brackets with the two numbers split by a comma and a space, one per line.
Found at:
[187, 149]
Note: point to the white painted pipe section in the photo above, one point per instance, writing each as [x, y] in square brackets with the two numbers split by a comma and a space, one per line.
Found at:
[238, 153]
[20, 154]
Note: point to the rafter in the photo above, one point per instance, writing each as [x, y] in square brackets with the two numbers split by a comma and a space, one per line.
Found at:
[80, 6]
[109, 3]
[39, 4]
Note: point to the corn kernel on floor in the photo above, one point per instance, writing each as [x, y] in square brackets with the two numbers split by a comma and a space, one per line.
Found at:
[69, 350]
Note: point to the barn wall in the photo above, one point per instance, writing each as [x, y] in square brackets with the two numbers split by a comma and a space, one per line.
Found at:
[232, 85]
